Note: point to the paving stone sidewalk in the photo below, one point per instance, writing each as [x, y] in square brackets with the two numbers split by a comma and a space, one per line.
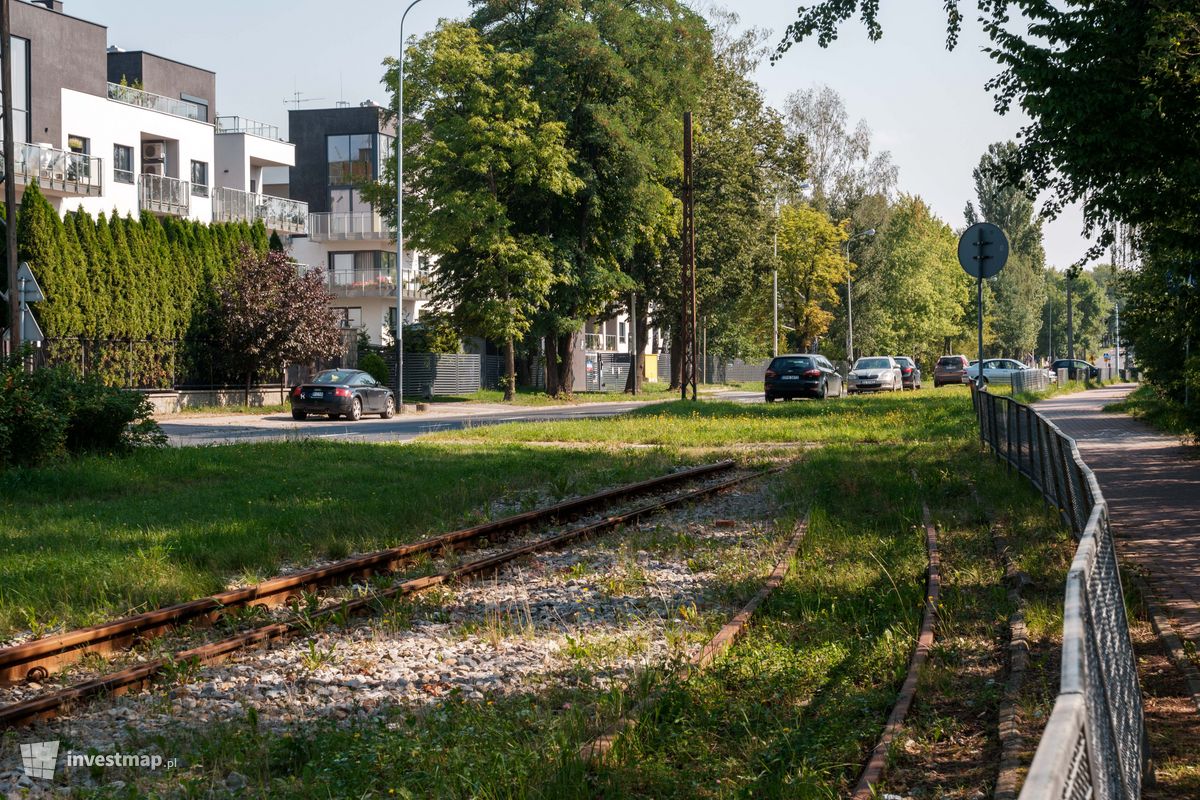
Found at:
[1152, 484]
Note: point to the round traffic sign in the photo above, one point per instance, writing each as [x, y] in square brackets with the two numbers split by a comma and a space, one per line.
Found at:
[983, 250]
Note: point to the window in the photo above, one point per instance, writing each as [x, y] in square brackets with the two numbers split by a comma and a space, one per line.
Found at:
[199, 179]
[351, 318]
[621, 332]
[122, 163]
[351, 158]
[20, 85]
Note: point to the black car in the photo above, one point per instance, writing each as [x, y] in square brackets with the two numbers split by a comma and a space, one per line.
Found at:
[910, 373]
[342, 392]
[1078, 369]
[801, 375]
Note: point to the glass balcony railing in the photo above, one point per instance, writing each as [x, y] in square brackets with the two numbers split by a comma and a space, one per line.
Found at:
[57, 171]
[600, 342]
[157, 102]
[326, 226]
[250, 126]
[375, 283]
[159, 194]
[277, 213]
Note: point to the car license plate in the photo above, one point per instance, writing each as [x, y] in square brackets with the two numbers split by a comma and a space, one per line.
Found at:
[790, 377]
[318, 393]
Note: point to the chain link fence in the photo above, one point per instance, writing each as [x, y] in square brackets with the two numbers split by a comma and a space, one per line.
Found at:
[1094, 742]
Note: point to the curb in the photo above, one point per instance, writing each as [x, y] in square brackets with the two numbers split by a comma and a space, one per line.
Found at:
[1170, 640]
[1011, 740]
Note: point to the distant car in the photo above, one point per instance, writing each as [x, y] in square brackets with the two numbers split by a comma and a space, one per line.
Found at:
[950, 369]
[910, 373]
[1079, 369]
[995, 370]
[801, 375]
[875, 374]
[342, 392]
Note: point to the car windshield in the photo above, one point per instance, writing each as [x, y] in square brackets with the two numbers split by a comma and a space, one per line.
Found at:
[781, 364]
[332, 376]
[904, 361]
[949, 361]
[872, 363]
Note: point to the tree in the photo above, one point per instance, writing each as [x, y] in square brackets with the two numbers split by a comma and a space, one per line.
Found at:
[268, 315]
[482, 155]
[811, 267]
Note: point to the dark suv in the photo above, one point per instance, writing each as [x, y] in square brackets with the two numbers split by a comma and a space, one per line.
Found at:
[801, 375]
[1078, 369]
[950, 369]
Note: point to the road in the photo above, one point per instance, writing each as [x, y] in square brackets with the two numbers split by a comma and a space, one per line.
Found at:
[184, 430]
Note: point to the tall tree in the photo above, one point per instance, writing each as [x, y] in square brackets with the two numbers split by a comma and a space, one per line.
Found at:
[811, 268]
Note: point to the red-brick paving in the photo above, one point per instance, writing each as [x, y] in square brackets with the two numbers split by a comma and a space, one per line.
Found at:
[1152, 484]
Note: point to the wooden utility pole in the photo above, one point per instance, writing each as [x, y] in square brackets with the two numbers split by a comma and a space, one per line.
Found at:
[688, 271]
[10, 186]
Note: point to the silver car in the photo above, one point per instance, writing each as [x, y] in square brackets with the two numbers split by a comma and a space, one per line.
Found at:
[875, 374]
[995, 370]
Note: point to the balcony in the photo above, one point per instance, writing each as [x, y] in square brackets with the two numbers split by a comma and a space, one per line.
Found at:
[376, 283]
[159, 194]
[250, 126]
[600, 342]
[157, 102]
[333, 227]
[58, 172]
[277, 213]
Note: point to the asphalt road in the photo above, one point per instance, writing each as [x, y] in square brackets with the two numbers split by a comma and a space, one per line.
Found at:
[236, 428]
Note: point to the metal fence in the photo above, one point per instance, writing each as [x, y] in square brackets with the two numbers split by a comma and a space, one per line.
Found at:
[1030, 380]
[1093, 745]
[430, 374]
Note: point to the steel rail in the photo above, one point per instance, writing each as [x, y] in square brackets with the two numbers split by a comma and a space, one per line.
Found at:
[117, 683]
[37, 659]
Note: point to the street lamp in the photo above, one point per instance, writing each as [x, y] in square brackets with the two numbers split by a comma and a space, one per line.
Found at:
[849, 297]
[803, 186]
[400, 221]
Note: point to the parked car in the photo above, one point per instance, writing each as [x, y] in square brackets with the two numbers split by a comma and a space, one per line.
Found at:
[995, 370]
[1079, 369]
[342, 392]
[875, 374]
[910, 373]
[799, 375]
[950, 369]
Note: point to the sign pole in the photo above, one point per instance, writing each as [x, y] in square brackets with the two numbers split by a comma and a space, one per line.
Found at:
[979, 303]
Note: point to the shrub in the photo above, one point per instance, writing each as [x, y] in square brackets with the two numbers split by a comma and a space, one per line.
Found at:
[375, 365]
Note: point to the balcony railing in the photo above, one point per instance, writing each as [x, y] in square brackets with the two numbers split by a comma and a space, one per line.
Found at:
[250, 126]
[55, 170]
[600, 342]
[375, 283]
[159, 194]
[157, 102]
[277, 213]
[327, 226]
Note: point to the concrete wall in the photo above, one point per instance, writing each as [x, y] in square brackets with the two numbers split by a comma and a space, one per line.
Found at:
[174, 402]
[64, 52]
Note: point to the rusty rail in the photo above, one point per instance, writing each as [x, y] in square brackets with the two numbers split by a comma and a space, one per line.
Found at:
[37, 659]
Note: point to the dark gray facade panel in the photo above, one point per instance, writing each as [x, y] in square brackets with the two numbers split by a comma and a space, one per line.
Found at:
[307, 129]
[164, 76]
[64, 53]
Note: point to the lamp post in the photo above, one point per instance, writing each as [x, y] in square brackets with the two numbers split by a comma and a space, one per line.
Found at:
[400, 220]
[803, 186]
[850, 298]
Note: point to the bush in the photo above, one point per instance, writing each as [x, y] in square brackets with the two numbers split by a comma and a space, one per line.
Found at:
[375, 365]
[51, 412]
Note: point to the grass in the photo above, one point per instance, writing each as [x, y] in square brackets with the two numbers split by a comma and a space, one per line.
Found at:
[532, 397]
[269, 408]
[1164, 414]
[96, 537]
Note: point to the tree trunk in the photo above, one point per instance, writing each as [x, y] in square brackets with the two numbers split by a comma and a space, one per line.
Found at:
[510, 370]
[676, 359]
[551, 365]
[566, 364]
[249, 381]
[637, 370]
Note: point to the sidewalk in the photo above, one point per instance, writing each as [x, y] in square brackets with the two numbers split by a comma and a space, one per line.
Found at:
[1152, 485]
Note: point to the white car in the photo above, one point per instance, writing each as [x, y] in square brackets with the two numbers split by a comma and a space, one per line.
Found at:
[875, 374]
[995, 370]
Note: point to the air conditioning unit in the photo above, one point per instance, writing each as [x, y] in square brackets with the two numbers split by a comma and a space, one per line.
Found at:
[149, 168]
[154, 152]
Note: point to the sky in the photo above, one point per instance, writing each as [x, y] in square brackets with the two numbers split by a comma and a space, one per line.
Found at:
[927, 106]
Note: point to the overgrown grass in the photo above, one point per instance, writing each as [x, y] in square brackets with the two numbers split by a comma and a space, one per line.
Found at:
[533, 397]
[95, 537]
[1148, 405]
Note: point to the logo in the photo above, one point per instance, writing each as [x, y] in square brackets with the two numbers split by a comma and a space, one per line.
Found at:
[40, 759]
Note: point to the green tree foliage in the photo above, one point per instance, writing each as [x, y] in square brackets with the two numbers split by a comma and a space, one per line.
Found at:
[811, 268]
[485, 155]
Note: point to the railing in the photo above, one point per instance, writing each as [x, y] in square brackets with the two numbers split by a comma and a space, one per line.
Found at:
[1030, 380]
[250, 126]
[157, 102]
[333, 226]
[277, 213]
[57, 170]
[159, 194]
[1093, 745]
[600, 342]
[375, 283]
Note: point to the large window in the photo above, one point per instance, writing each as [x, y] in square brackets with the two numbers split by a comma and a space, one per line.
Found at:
[20, 85]
[122, 163]
[199, 179]
[353, 160]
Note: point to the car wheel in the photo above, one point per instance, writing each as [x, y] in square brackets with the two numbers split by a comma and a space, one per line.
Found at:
[389, 408]
[355, 410]
[824, 391]
[299, 414]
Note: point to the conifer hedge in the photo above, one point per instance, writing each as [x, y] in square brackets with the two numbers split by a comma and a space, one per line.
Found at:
[128, 300]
